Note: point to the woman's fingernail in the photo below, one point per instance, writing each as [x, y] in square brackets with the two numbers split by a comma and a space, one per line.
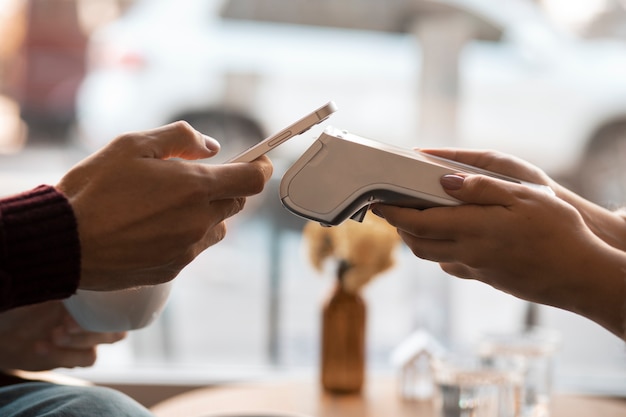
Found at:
[211, 144]
[452, 182]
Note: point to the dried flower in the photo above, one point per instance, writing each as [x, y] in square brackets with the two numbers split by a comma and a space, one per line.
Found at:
[363, 250]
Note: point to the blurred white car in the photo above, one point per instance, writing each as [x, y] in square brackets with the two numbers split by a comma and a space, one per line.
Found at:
[241, 69]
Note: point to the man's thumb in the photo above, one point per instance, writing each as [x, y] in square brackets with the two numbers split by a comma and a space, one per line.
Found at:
[180, 140]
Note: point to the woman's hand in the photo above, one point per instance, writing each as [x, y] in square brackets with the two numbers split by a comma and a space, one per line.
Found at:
[502, 236]
[520, 240]
[496, 162]
[608, 225]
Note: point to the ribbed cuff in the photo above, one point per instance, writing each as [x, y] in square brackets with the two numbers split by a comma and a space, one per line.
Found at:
[39, 248]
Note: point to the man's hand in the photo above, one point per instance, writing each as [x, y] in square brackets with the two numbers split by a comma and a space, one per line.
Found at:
[44, 336]
[144, 210]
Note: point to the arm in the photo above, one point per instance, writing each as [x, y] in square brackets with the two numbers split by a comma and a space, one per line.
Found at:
[39, 248]
[134, 213]
[521, 241]
[609, 225]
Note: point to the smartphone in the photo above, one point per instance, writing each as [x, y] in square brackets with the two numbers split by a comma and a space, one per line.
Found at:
[287, 133]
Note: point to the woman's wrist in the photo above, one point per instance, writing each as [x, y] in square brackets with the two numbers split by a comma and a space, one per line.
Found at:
[610, 226]
[601, 292]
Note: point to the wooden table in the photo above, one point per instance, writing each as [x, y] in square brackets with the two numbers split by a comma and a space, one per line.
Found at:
[304, 397]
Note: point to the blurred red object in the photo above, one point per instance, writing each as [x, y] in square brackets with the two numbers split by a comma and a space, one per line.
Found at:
[50, 63]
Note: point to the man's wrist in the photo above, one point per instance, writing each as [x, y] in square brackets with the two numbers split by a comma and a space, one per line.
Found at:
[39, 247]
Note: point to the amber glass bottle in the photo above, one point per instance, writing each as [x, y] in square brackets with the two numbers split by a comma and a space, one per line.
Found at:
[343, 340]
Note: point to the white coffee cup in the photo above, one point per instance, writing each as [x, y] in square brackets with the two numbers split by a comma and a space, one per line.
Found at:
[117, 311]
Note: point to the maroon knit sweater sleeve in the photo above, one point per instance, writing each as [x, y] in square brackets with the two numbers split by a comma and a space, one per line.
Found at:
[39, 248]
